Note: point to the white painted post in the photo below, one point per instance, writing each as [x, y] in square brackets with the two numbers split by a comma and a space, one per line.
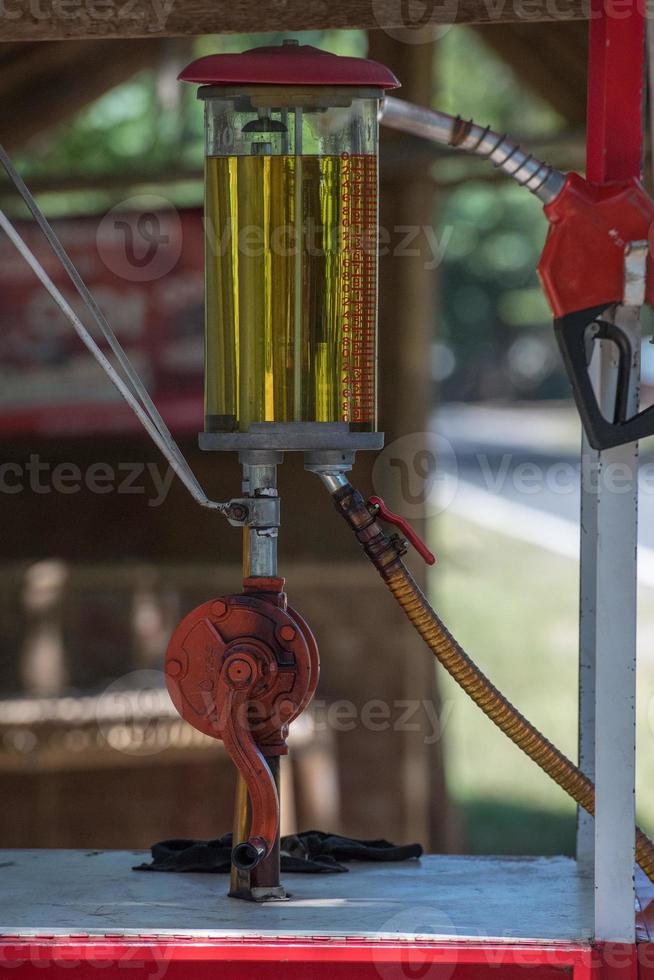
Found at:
[609, 521]
[587, 638]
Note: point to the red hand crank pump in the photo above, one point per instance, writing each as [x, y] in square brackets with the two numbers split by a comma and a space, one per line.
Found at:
[242, 668]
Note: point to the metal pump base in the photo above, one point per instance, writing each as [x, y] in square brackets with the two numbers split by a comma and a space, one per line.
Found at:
[293, 437]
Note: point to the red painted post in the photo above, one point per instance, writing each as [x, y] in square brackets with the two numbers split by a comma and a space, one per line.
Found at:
[616, 76]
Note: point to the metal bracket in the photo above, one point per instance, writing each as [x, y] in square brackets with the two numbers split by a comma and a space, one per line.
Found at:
[635, 273]
[306, 437]
[255, 512]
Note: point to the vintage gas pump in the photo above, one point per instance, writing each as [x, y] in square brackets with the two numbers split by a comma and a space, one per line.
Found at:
[291, 351]
[291, 248]
[291, 365]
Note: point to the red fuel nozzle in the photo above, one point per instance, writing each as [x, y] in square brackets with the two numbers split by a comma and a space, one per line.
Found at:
[591, 225]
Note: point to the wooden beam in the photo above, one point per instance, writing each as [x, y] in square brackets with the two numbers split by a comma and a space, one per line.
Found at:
[49, 83]
[47, 20]
[19, 63]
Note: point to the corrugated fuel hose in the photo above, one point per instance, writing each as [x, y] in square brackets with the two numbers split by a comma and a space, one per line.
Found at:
[386, 555]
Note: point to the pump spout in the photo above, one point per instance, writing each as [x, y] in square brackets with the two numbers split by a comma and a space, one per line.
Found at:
[540, 178]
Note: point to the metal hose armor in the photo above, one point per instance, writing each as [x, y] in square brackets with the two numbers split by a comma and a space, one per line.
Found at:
[385, 553]
[542, 180]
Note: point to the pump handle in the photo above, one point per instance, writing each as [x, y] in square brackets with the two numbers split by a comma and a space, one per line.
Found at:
[571, 332]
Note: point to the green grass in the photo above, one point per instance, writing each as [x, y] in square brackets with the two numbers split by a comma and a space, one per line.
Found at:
[514, 609]
[495, 827]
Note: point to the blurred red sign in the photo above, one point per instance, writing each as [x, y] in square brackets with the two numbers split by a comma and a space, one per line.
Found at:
[144, 266]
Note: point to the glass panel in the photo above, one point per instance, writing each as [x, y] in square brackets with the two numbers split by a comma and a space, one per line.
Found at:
[291, 259]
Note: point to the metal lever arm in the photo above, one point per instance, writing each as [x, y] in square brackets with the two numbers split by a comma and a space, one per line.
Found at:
[377, 507]
[239, 675]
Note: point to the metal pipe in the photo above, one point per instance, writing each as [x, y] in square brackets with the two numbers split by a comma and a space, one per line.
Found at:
[260, 479]
[540, 178]
[332, 479]
[239, 880]
[265, 878]
[263, 540]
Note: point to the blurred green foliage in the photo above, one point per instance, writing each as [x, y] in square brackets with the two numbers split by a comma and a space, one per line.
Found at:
[494, 317]
[492, 324]
[149, 128]
[472, 81]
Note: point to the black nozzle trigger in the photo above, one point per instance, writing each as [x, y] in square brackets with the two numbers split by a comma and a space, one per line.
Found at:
[571, 332]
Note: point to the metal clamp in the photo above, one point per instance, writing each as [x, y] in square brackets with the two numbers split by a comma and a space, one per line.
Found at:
[256, 512]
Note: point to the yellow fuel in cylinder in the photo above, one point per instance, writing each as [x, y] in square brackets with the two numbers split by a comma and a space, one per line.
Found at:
[291, 258]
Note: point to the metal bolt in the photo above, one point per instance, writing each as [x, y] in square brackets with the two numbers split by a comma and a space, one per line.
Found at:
[239, 672]
[173, 668]
[287, 633]
[286, 709]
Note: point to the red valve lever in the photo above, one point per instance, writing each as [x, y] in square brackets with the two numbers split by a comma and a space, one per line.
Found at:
[406, 529]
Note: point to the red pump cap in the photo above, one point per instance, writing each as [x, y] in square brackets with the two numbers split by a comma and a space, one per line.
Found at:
[288, 64]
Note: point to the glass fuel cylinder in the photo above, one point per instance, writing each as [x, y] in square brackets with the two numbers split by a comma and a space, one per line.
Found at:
[291, 228]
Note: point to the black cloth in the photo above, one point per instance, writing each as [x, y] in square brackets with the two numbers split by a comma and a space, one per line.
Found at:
[312, 852]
